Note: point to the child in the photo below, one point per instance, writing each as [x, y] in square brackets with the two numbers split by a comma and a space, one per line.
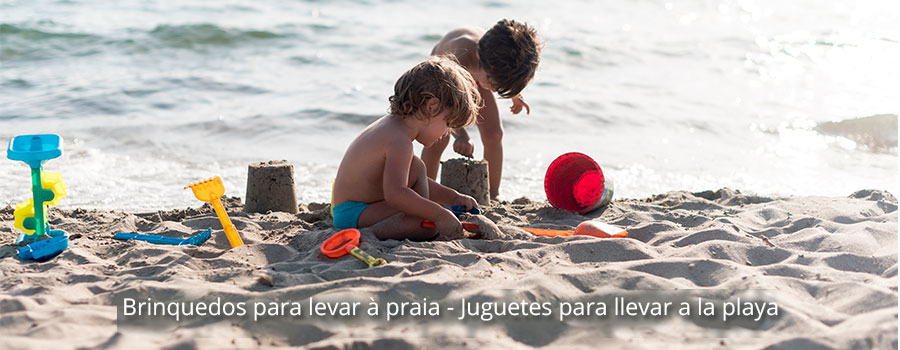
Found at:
[504, 60]
[380, 181]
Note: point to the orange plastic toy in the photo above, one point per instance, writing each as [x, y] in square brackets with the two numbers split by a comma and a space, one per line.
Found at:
[586, 228]
[600, 229]
[346, 242]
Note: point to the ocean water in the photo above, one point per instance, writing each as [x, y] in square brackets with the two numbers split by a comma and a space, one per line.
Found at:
[771, 97]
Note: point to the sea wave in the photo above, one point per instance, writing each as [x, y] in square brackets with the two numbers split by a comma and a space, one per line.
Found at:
[327, 115]
[205, 34]
[26, 43]
[11, 30]
[877, 133]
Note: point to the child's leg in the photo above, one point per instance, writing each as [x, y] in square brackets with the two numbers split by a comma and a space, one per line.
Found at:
[401, 226]
[418, 179]
[491, 130]
[391, 224]
[432, 156]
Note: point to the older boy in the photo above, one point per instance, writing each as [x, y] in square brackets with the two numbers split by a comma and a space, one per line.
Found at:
[501, 60]
[380, 182]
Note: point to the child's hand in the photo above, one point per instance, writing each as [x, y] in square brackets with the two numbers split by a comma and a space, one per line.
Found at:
[464, 146]
[466, 201]
[448, 225]
[517, 105]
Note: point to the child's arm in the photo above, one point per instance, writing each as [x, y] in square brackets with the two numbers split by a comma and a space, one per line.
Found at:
[398, 194]
[463, 144]
[448, 196]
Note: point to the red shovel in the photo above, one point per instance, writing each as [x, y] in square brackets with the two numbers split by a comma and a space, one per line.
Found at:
[466, 225]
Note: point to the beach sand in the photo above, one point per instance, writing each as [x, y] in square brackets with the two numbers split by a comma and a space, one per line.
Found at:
[830, 265]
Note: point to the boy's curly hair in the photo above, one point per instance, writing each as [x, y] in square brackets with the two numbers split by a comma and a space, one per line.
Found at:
[509, 54]
[438, 77]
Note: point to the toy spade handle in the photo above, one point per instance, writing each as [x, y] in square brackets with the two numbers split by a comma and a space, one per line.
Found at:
[230, 231]
[148, 238]
[366, 258]
[470, 226]
[466, 225]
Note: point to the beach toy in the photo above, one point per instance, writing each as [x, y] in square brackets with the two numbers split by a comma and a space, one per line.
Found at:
[47, 189]
[460, 209]
[466, 225]
[600, 229]
[548, 232]
[347, 242]
[197, 239]
[47, 248]
[25, 211]
[575, 182]
[586, 228]
[210, 190]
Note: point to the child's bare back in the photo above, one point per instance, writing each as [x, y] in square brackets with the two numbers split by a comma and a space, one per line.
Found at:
[362, 178]
[462, 43]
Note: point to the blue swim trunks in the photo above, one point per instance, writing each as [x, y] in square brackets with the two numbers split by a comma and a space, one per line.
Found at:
[346, 215]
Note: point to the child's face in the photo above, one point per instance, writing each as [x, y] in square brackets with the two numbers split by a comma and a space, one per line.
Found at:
[433, 131]
[482, 80]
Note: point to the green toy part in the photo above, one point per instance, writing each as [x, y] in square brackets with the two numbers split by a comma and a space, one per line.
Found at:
[52, 190]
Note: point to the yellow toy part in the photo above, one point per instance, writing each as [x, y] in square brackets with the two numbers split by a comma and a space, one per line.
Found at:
[53, 182]
[24, 211]
[210, 190]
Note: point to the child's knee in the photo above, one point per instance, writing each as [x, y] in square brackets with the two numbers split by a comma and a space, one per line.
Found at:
[416, 165]
[416, 170]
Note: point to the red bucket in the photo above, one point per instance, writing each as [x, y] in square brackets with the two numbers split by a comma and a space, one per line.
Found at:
[575, 182]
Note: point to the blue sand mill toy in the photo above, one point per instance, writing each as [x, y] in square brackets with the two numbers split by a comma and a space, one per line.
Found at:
[47, 188]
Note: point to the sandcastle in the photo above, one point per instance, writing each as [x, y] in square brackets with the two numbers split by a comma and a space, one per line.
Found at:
[270, 187]
[467, 176]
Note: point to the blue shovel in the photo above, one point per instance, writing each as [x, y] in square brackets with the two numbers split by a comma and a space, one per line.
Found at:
[197, 239]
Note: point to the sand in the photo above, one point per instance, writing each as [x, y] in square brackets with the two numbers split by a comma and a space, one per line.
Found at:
[830, 264]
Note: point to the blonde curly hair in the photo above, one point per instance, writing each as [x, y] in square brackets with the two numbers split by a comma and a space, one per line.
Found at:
[438, 77]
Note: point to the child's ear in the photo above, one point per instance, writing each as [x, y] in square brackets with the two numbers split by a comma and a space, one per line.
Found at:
[433, 106]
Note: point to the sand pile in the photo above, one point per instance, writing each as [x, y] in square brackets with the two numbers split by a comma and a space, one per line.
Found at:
[830, 264]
